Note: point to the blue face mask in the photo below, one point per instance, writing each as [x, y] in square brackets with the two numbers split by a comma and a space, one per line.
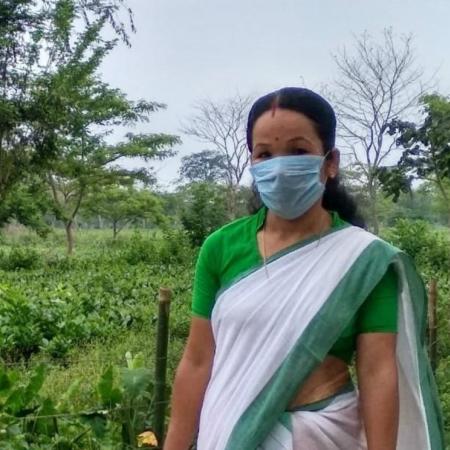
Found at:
[289, 185]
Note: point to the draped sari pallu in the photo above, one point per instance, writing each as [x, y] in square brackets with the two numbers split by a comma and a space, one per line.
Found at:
[275, 325]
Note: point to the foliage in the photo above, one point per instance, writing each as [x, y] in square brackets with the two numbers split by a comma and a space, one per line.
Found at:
[86, 161]
[63, 303]
[426, 150]
[204, 211]
[28, 419]
[20, 257]
[421, 203]
[207, 166]
[443, 382]
[122, 206]
[56, 113]
[37, 45]
[174, 248]
[27, 204]
[430, 249]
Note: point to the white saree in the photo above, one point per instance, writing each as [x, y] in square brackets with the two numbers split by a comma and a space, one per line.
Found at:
[273, 326]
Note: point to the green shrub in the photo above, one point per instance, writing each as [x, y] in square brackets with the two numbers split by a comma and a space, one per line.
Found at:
[71, 301]
[139, 249]
[429, 247]
[443, 382]
[204, 212]
[175, 247]
[20, 334]
[20, 257]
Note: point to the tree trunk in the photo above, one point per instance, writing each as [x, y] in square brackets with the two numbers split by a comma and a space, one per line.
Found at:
[444, 196]
[70, 237]
[231, 201]
[115, 231]
[373, 207]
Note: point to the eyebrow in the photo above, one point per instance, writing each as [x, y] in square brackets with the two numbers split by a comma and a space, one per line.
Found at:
[261, 144]
[300, 138]
[297, 138]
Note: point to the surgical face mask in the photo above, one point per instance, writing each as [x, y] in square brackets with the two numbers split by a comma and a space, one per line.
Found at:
[289, 185]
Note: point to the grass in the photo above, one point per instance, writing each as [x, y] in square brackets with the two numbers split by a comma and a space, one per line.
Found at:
[86, 365]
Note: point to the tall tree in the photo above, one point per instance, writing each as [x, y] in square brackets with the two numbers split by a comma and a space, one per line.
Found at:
[204, 210]
[426, 151]
[207, 166]
[222, 126]
[122, 206]
[377, 82]
[85, 160]
[38, 41]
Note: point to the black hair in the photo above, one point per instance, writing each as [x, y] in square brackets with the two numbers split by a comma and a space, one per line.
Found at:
[320, 112]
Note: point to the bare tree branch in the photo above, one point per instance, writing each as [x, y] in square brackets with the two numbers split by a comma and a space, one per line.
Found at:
[377, 82]
[222, 126]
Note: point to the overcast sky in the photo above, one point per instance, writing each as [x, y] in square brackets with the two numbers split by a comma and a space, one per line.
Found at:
[186, 50]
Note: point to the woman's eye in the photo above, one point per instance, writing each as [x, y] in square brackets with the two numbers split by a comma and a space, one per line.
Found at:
[299, 151]
[264, 155]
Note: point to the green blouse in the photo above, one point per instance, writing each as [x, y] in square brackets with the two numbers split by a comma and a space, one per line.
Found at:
[232, 251]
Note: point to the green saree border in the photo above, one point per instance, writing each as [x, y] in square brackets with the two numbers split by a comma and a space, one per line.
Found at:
[417, 293]
[260, 417]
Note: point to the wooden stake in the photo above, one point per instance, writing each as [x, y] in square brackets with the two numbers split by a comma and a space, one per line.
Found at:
[162, 340]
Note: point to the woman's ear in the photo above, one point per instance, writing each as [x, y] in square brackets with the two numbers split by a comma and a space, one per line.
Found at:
[333, 163]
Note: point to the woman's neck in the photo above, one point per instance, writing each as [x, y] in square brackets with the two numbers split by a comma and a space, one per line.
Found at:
[315, 221]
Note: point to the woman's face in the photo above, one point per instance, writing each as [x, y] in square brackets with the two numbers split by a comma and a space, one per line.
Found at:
[283, 132]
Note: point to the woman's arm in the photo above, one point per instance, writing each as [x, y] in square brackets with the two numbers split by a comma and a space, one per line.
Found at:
[378, 386]
[190, 384]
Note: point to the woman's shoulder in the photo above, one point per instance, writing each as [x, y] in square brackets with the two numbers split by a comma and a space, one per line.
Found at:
[361, 237]
[237, 230]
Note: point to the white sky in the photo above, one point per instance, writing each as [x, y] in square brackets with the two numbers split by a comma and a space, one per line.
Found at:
[186, 50]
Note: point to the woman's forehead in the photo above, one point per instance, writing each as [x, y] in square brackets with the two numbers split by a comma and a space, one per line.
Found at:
[284, 124]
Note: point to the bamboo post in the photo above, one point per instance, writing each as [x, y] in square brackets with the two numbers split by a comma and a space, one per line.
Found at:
[432, 324]
[162, 339]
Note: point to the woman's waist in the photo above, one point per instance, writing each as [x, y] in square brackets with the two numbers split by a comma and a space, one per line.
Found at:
[331, 378]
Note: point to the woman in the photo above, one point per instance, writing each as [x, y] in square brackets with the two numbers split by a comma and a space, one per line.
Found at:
[285, 297]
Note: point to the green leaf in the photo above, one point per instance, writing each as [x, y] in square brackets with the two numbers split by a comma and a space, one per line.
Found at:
[109, 394]
[5, 382]
[97, 421]
[135, 381]
[35, 384]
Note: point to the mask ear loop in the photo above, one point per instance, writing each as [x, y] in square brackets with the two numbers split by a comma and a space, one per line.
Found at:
[324, 184]
[329, 152]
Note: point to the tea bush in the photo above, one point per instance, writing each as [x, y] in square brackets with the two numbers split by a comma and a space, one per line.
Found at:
[20, 257]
